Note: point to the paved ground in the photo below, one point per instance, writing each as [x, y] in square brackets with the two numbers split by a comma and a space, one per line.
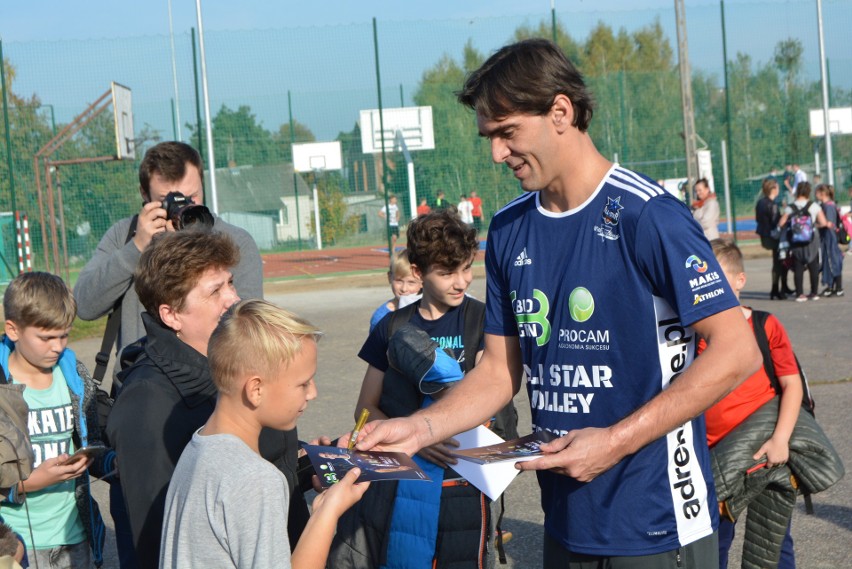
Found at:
[341, 306]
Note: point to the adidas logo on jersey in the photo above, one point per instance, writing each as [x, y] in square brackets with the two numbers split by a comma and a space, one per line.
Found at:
[523, 259]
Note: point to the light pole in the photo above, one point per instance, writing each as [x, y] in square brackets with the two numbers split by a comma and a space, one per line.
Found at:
[730, 144]
[829, 160]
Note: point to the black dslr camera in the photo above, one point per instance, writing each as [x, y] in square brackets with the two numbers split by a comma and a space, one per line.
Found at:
[183, 213]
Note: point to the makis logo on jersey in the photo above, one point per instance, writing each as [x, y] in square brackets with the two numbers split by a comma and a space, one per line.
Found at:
[704, 281]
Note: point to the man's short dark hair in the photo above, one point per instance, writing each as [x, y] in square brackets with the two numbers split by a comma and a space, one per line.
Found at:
[169, 160]
[440, 238]
[525, 77]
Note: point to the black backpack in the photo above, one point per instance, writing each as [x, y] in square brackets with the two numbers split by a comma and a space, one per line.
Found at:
[758, 319]
[801, 225]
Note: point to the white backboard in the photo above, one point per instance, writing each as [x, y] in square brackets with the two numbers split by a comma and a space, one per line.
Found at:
[415, 123]
[122, 106]
[313, 156]
[839, 121]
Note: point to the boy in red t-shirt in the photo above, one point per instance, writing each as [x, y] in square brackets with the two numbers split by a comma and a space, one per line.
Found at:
[753, 393]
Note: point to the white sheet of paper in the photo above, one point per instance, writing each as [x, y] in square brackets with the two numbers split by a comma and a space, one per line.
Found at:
[491, 479]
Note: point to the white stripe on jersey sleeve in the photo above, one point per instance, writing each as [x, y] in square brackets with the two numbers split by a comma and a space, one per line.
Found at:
[640, 182]
[635, 184]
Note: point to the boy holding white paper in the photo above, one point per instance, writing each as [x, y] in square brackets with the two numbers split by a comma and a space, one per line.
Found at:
[448, 520]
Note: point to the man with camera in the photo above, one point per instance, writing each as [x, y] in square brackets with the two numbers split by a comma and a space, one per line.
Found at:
[107, 278]
[172, 192]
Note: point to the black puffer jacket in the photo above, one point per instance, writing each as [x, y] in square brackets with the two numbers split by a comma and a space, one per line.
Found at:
[770, 494]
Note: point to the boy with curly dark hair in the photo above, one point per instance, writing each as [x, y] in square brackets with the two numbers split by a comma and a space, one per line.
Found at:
[444, 521]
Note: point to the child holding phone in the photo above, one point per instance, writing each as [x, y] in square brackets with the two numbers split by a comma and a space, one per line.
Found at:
[67, 531]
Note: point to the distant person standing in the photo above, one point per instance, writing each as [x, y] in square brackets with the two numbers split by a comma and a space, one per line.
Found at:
[476, 201]
[705, 209]
[767, 214]
[832, 256]
[804, 243]
[441, 201]
[465, 209]
[423, 208]
[391, 213]
[792, 181]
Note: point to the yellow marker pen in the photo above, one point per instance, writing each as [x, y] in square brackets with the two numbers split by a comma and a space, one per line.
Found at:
[362, 420]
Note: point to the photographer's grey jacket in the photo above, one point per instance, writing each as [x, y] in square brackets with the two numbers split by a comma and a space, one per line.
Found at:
[109, 274]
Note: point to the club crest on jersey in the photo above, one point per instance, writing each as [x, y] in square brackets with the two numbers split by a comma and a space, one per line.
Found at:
[610, 216]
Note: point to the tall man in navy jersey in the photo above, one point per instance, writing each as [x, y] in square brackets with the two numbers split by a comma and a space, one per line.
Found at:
[598, 284]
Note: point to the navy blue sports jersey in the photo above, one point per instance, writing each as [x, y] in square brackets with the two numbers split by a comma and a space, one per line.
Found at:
[601, 298]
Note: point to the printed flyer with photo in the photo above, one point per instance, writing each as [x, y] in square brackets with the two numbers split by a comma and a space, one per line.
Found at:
[524, 448]
[332, 463]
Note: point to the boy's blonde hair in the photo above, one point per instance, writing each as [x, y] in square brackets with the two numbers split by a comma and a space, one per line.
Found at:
[255, 336]
[728, 255]
[400, 265]
[39, 299]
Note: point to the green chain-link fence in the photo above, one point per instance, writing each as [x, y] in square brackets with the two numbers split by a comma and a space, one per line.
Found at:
[315, 80]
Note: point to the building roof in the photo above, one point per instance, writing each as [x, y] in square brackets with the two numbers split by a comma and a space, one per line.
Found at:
[255, 188]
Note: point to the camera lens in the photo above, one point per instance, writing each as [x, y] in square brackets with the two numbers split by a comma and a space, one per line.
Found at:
[192, 213]
[183, 213]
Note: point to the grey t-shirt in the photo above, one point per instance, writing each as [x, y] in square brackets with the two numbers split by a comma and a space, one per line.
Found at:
[226, 507]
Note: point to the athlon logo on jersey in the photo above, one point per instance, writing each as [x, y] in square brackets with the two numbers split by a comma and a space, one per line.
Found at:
[699, 298]
[610, 216]
[531, 316]
[523, 259]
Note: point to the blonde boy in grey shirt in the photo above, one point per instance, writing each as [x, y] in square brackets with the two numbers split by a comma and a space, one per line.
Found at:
[226, 506]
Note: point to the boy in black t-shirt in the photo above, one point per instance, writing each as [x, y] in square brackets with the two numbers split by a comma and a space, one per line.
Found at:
[441, 249]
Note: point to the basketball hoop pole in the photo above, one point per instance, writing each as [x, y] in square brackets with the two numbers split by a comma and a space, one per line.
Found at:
[409, 163]
[317, 212]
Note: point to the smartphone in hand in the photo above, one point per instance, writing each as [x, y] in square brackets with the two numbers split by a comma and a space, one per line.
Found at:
[86, 452]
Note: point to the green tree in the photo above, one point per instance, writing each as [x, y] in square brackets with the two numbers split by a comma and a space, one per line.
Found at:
[337, 222]
[569, 46]
[788, 60]
[461, 161]
[240, 139]
[301, 133]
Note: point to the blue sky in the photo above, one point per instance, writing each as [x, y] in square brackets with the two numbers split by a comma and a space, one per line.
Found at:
[27, 20]
[67, 51]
